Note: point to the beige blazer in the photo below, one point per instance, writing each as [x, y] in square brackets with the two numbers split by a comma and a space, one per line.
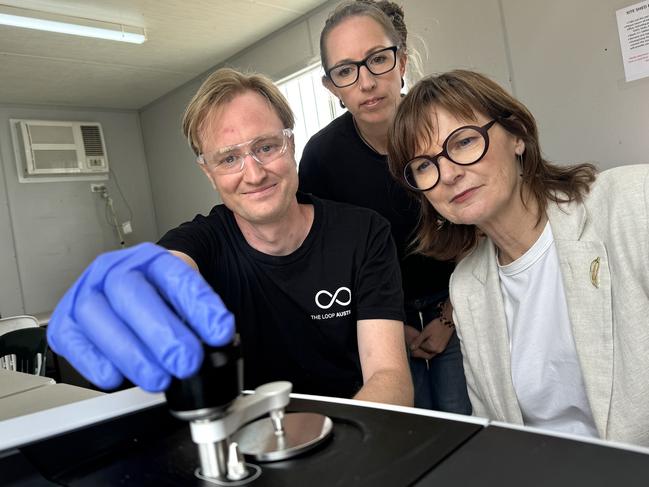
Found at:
[608, 306]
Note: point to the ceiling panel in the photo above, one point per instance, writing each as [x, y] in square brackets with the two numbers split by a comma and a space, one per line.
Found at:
[185, 38]
[50, 82]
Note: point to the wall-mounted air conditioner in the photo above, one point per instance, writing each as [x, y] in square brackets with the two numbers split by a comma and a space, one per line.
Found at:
[53, 149]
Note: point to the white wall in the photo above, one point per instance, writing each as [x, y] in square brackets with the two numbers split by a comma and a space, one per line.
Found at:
[180, 190]
[450, 34]
[10, 291]
[560, 57]
[50, 231]
[567, 67]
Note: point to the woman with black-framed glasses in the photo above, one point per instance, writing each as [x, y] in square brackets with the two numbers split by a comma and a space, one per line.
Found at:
[551, 291]
[364, 53]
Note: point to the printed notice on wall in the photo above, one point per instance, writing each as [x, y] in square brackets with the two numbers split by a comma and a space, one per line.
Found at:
[633, 28]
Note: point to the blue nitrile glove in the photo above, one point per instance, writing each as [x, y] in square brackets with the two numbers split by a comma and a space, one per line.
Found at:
[130, 314]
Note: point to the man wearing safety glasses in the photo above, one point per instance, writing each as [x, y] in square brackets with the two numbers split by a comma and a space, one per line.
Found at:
[314, 286]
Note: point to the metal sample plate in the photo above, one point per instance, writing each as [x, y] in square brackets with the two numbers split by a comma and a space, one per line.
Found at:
[302, 431]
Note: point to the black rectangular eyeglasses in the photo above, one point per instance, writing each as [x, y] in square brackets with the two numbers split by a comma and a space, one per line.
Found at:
[378, 62]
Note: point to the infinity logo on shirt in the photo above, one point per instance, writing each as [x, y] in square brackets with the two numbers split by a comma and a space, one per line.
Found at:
[334, 297]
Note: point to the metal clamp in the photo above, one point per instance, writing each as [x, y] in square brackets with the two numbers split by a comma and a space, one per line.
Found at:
[220, 461]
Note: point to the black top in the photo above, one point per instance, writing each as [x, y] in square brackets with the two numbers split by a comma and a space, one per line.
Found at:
[337, 165]
[297, 314]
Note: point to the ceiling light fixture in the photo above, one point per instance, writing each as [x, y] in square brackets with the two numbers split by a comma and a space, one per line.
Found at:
[77, 26]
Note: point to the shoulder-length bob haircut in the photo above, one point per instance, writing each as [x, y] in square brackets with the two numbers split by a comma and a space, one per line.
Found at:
[465, 94]
[220, 88]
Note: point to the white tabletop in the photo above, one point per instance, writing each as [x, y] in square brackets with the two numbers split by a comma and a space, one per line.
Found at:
[16, 382]
[42, 398]
[28, 428]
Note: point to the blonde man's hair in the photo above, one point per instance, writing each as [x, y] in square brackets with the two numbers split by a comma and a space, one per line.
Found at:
[219, 89]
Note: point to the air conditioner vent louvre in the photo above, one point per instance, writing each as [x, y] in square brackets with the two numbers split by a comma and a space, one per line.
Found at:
[92, 140]
[59, 150]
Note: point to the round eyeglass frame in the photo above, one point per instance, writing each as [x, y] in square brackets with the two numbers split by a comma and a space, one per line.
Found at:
[361, 63]
[286, 133]
[484, 131]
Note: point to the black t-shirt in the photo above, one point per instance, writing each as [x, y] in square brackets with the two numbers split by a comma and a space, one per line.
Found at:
[297, 314]
[337, 165]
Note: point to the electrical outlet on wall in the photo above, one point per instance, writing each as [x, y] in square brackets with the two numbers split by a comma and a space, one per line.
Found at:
[97, 187]
[127, 228]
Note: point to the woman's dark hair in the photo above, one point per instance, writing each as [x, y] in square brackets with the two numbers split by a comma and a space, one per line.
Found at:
[465, 94]
[388, 15]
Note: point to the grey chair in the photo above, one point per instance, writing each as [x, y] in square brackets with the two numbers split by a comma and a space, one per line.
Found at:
[23, 345]
[16, 323]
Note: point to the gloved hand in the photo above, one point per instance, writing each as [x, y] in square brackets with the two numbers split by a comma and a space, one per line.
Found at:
[130, 314]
